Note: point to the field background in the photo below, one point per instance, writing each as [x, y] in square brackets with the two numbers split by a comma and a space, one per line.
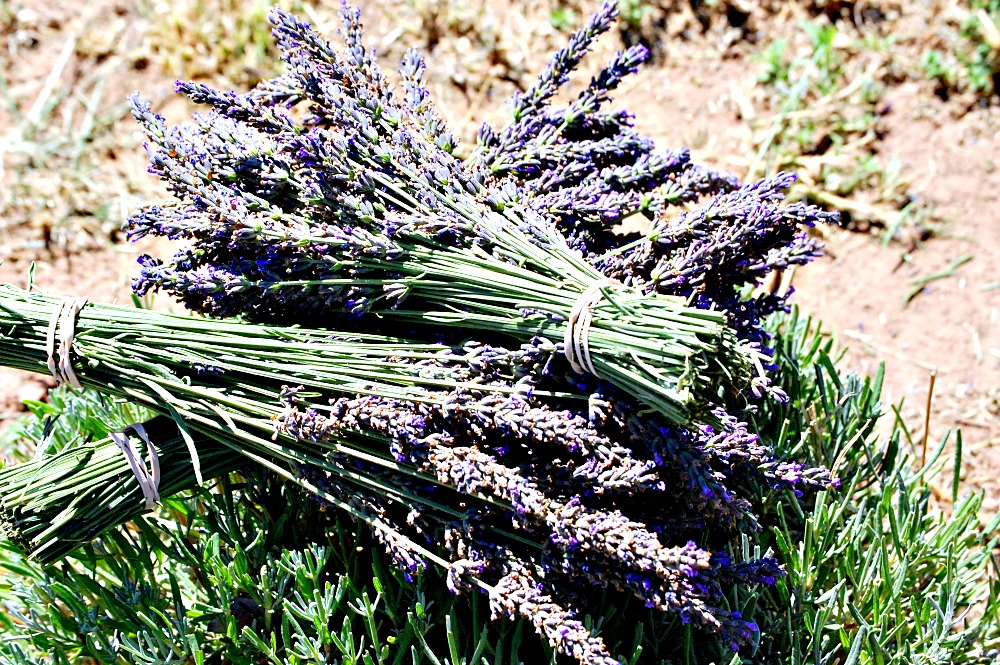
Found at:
[888, 111]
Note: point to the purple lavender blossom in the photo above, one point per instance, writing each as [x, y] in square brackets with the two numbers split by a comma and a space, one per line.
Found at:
[519, 594]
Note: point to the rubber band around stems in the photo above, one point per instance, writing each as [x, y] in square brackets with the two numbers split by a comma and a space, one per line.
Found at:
[63, 322]
[149, 479]
[576, 339]
[63, 326]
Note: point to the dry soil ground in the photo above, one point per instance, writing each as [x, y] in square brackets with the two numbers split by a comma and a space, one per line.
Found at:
[703, 91]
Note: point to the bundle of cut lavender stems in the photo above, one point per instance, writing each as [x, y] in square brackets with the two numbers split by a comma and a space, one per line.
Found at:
[553, 407]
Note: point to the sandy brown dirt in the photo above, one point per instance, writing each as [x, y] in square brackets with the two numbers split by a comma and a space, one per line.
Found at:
[697, 95]
[952, 327]
[48, 208]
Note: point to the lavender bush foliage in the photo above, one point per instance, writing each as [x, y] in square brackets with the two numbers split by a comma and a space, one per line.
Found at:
[360, 208]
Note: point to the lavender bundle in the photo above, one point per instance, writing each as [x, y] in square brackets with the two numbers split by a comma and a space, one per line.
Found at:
[424, 443]
[586, 170]
[359, 212]
[52, 505]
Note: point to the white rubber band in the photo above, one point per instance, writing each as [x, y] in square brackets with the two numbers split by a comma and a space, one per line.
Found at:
[66, 340]
[149, 479]
[576, 340]
[63, 322]
[50, 342]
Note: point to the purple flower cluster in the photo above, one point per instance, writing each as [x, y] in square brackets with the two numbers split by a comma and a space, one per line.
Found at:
[533, 480]
[519, 593]
[713, 252]
[586, 170]
[607, 514]
[581, 539]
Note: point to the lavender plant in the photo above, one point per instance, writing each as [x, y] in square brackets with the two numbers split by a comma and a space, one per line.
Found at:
[232, 571]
